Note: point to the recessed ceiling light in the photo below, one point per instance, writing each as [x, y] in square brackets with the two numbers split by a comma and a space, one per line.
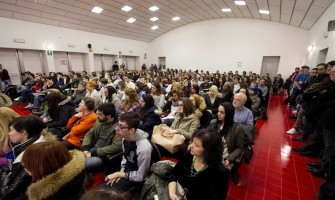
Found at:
[153, 8]
[154, 27]
[126, 8]
[226, 9]
[131, 20]
[264, 12]
[176, 18]
[154, 19]
[97, 9]
[240, 3]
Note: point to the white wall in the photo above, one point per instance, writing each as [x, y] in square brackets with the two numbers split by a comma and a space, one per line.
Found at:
[316, 37]
[38, 35]
[221, 43]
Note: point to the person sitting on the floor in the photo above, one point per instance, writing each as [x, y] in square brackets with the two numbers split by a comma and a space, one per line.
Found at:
[56, 173]
[200, 172]
[80, 123]
[233, 134]
[101, 140]
[136, 154]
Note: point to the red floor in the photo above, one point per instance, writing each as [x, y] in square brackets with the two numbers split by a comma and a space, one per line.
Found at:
[275, 171]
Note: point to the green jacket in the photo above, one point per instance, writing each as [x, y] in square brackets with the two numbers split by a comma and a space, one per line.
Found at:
[112, 145]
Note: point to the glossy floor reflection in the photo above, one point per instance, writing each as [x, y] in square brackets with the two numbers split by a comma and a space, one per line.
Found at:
[275, 171]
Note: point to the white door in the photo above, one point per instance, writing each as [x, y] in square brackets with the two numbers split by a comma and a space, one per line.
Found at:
[270, 65]
[322, 56]
[9, 61]
[32, 61]
[61, 62]
[130, 62]
[76, 62]
[108, 61]
[98, 63]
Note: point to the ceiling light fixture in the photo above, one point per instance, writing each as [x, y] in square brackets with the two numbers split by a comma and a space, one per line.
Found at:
[97, 9]
[126, 8]
[176, 18]
[154, 27]
[226, 9]
[131, 20]
[154, 8]
[264, 12]
[240, 3]
[154, 19]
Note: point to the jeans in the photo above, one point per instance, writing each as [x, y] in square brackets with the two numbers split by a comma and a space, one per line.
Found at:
[6, 83]
[94, 164]
[308, 128]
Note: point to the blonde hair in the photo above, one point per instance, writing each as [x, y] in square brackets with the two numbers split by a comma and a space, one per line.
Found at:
[215, 91]
[7, 115]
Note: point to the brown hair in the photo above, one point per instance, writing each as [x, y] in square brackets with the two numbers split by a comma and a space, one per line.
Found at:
[89, 103]
[188, 107]
[177, 92]
[158, 88]
[44, 158]
[197, 100]
[106, 194]
[132, 98]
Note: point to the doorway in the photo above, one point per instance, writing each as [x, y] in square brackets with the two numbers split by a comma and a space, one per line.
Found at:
[270, 65]
[161, 61]
[322, 56]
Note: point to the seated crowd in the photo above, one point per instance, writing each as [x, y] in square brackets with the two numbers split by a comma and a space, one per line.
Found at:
[83, 124]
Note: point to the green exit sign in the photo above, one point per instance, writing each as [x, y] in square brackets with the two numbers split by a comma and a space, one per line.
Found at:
[49, 52]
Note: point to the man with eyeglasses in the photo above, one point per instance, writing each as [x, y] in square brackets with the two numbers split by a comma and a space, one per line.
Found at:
[101, 141]
[136, 154]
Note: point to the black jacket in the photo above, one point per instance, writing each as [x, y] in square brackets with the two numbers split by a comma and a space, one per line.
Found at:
[149, 120]
[213, 107]
[14, 185]
[65, 110]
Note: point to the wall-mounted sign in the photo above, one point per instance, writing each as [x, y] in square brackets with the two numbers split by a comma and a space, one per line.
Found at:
[49, 52]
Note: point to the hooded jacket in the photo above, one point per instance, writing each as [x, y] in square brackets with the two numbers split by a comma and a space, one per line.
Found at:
[65, 183]
[136, 156]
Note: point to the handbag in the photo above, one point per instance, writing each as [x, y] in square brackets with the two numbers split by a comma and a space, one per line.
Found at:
[172, 143]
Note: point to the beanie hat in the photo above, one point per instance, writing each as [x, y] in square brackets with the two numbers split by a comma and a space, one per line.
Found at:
[254, 88]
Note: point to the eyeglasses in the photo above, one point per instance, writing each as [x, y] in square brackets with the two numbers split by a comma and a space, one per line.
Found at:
[122, 127]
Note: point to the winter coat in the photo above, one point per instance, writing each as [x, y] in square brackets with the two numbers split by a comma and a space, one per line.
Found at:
[66, 183]
[186, 125]
[79, 127]
[62, 114]
[213, 107]
[106, 131]
[14, 185]
[157, 183]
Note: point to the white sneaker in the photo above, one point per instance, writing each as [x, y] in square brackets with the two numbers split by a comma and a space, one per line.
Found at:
[294, 112]
[17, 99]
[30, 105]
[292, 131]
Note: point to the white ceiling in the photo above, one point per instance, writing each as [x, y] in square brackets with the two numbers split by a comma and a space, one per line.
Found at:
[76, 14]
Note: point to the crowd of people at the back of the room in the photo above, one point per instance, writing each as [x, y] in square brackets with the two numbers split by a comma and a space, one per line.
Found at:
[111, 118]
[312, 100]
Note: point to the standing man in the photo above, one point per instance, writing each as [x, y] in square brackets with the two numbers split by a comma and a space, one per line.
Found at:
[5, 79]
[115, 66]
